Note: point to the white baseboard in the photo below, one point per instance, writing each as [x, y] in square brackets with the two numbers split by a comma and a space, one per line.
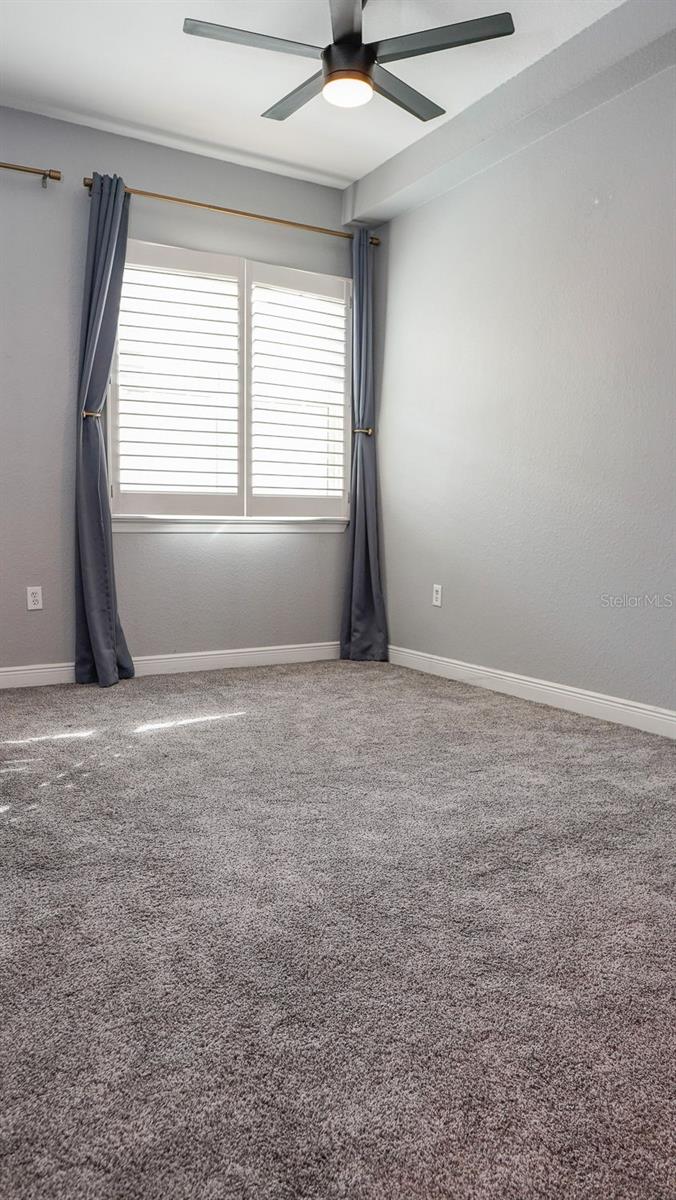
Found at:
[38, 674]
[252, 656]
[590, 704]
[559, 695]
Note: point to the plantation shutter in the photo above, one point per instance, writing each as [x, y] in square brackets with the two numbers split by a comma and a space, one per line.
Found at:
[230, 393]
[298, 381]
[178, 428]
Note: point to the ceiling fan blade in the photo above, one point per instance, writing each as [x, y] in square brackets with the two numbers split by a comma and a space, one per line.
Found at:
[244, 37]
[463, 33]
[296, 99]
[346, 19]
[406, 97]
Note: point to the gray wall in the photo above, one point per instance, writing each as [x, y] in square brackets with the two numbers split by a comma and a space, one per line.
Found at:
[177, 592]
[527, 370]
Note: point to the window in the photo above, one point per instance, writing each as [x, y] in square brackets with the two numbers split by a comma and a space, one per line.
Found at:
[230, 388]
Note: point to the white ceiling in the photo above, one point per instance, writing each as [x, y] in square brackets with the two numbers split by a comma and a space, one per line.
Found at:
[127, 66]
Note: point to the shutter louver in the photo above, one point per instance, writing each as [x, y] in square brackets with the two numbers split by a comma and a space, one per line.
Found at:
[177, 427]
[297, 393]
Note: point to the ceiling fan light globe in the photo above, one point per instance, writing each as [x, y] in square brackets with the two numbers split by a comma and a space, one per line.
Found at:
[347, 89]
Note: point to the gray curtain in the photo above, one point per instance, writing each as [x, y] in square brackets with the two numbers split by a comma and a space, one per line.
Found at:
[363, 634]
[101, 654]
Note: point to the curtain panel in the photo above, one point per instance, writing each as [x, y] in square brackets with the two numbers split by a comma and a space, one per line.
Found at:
[363, 635]
[101, 653]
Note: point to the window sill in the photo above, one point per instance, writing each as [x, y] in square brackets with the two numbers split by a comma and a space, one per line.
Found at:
[148, 524]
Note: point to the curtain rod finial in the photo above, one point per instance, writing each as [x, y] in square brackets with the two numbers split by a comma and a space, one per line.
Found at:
[45, 172]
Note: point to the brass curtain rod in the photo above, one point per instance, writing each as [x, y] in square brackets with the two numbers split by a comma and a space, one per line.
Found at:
[45, 172]
[237, 212]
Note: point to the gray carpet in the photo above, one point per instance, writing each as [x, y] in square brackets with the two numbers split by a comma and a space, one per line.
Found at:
[376, 937]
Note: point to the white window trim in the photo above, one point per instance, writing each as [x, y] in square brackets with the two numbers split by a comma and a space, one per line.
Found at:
[217, 525]
[134, 512]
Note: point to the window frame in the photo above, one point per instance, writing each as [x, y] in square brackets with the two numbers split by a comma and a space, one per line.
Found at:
[244, 507]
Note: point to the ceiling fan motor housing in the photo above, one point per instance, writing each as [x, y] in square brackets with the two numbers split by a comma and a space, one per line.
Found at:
[348, 59]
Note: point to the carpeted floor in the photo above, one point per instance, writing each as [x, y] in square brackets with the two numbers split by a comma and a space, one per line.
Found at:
[362, 934]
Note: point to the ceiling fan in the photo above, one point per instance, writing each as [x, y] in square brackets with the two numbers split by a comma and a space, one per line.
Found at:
[352, 69]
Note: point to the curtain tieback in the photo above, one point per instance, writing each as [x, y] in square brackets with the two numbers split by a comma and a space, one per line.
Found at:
[368, 432]
[88, 414]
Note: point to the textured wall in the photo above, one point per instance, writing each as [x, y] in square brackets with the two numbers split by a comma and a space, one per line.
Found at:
[527, 369]
[182, 593]
[177, 593]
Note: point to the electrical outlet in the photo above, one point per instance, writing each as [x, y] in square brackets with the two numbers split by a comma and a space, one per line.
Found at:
[436, 595]
[33, 598]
